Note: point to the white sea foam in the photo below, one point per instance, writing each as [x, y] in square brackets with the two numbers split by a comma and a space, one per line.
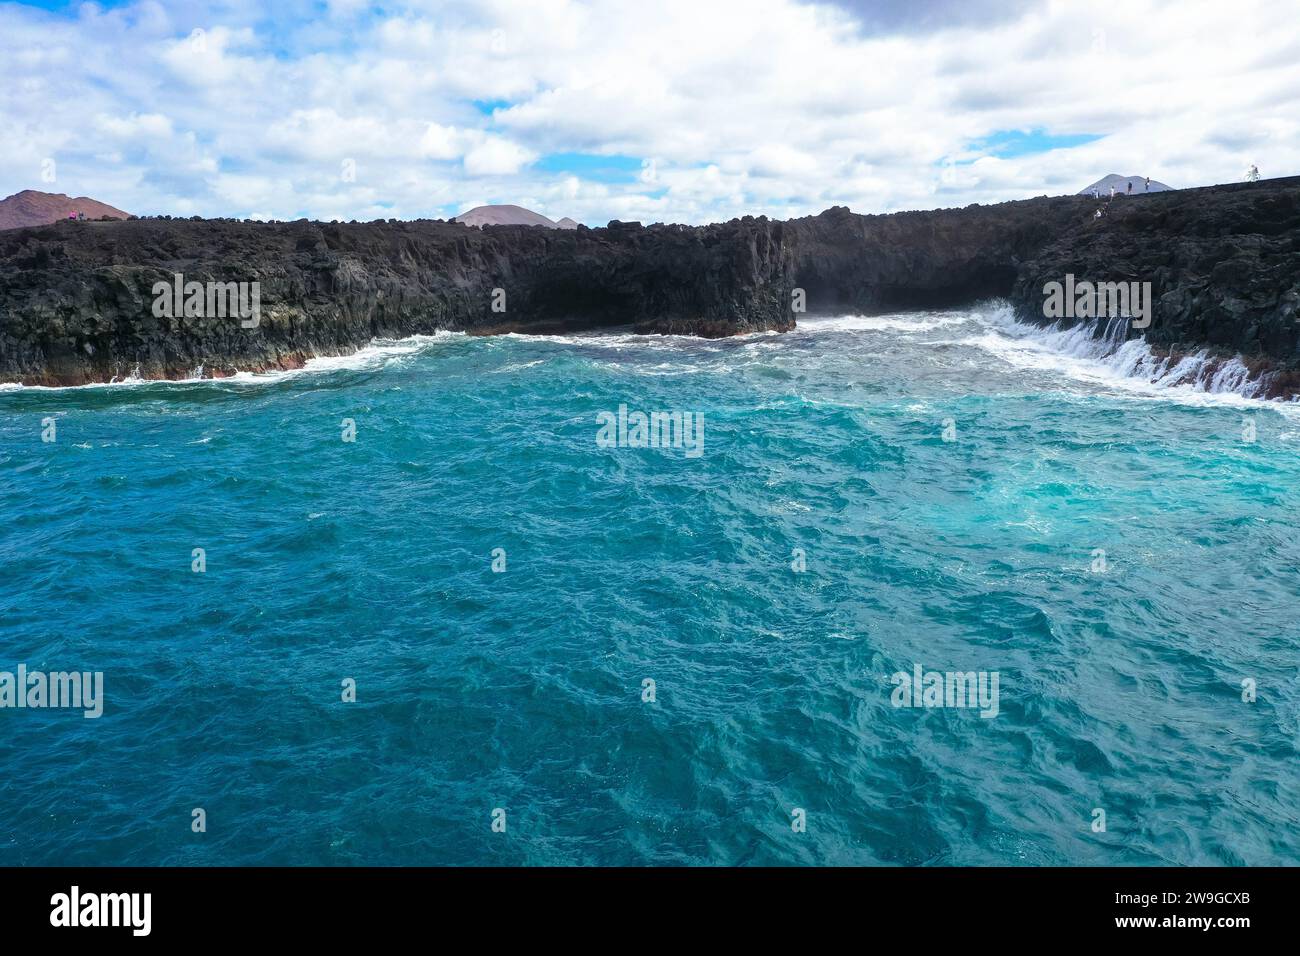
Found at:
[378, 353]
[907, 322]
[622, 340]
[131, 381]
[517, 367]
[1079, 353]
[1097, 353]
[375, 355]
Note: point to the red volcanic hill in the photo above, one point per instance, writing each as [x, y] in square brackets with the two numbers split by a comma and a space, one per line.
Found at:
[32, 208]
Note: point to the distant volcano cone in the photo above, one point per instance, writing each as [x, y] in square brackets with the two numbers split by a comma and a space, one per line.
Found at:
[1121, 185]
[33, 208]
[505, 215]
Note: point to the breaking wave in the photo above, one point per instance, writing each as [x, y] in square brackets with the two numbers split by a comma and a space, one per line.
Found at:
[1100, 351]
[1097, 352]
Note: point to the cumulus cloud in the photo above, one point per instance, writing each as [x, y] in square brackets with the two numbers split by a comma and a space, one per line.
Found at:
[782, 107]
[495, 156]
[441, 142]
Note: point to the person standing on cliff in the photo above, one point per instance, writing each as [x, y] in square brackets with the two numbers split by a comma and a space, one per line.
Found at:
[1147, 188]
[1130, 187]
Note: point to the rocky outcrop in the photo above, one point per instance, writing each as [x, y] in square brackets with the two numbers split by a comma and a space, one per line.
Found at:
[1223, 263]
[76, 300]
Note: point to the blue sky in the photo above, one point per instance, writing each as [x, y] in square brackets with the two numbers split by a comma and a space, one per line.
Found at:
[592, 166]
[600, 109]
[1009, 143]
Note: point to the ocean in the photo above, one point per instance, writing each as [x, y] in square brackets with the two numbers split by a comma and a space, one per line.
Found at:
[409, 607]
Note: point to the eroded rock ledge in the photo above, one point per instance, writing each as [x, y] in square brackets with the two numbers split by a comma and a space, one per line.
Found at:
[76, 298]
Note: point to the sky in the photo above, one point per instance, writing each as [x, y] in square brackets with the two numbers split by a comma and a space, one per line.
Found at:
[685, 111]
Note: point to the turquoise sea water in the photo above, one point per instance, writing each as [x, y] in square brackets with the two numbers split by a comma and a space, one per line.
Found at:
[1120, 689]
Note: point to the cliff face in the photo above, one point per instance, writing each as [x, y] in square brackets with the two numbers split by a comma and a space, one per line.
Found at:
[76, 300]
[920, 260]
[1223, 263]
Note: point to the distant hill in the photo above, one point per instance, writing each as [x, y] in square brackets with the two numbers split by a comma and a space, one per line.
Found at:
[33, 208]
[505, 215]
[1121, 185]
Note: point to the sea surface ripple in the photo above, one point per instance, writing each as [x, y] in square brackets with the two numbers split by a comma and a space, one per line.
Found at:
[522, 690]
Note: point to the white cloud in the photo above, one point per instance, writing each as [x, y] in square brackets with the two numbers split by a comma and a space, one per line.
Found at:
[745, 106]
[441, 142]
[495, 156]
[136, 126]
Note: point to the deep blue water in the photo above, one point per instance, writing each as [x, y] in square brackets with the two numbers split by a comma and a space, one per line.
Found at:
[372, 560]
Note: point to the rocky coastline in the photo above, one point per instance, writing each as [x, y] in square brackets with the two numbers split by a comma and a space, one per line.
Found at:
[77, 304]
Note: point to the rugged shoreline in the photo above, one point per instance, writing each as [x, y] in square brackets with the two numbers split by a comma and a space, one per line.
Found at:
[76, 299]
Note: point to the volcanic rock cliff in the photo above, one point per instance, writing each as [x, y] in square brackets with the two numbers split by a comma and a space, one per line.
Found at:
[76, 299]
[1223, 263]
